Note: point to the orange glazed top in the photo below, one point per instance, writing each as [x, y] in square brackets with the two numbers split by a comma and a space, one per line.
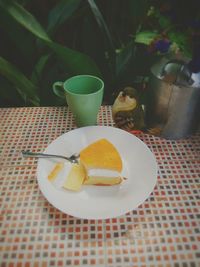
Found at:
[101, 155]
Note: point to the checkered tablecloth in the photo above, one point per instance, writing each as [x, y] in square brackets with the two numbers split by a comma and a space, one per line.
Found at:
[163, 231]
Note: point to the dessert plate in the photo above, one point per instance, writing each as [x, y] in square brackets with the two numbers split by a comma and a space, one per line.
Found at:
[101, 202]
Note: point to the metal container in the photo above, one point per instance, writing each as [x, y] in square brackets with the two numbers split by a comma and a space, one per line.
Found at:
[173, 108]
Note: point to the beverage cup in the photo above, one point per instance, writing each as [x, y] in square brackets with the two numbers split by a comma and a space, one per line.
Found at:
[84, 95]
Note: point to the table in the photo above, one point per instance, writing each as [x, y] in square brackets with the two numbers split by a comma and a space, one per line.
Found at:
[163, 231]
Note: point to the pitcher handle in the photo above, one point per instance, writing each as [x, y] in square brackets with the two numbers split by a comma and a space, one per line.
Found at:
[182, 73]
[58, 89]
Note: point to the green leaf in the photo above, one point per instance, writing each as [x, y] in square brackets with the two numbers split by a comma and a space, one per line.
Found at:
[9, 97]
[24, 86]
[105, 31]
[61, 12]
[145, 37]
[100, 20]
[17, 35]
[53, 71]
[181, 41]
[77, 62]
[123, 57]
[39, 67]
[24, 18]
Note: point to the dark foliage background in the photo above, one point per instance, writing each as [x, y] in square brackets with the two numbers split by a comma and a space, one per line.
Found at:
[118, 40]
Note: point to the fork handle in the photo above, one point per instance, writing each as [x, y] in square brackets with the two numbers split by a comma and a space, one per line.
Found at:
[28, 154]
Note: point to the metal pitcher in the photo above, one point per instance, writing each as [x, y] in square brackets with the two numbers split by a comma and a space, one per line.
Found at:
[173, 107]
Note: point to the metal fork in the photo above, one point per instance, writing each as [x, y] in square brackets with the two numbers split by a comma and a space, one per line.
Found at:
[27, 154]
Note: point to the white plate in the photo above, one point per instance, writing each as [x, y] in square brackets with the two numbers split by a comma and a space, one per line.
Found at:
[101, 202]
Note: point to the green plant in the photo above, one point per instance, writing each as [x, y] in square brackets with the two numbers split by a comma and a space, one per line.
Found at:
[166, 32]
[72, 38]
[75, 61]
[45, 41]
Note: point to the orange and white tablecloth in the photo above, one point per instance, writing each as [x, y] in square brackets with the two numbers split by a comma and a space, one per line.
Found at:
[163, 231]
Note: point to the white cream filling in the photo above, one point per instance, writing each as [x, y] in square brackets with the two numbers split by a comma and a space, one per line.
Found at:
[103, 172]
[58, 182]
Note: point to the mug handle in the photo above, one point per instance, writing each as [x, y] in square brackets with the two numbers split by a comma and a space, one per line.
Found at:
[58, 89]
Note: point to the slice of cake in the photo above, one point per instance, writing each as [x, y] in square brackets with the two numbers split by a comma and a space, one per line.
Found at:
[75, 178]
[102, 162]
[57, 168]
[72, 174]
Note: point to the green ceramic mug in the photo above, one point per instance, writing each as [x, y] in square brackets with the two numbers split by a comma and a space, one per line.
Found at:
[84, 95]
